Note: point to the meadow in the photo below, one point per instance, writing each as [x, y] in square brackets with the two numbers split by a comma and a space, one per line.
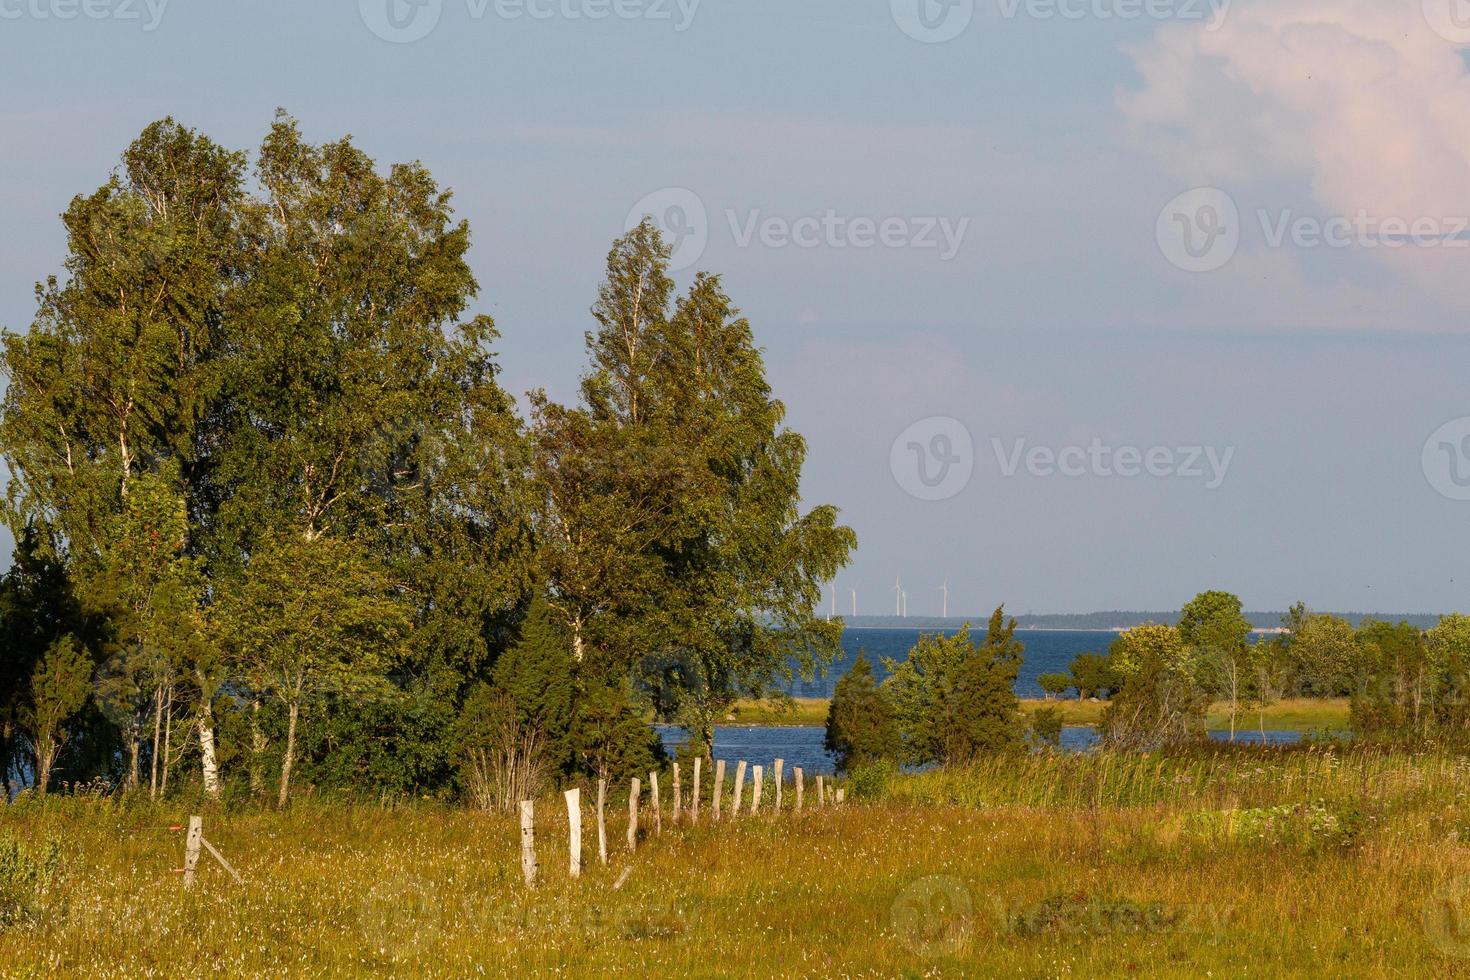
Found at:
[1226, 862]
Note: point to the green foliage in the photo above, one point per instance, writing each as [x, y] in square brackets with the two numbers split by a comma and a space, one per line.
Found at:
[673, 541]
[611, 737]
[1093, 676]
[1311, 827]
[1045, 729]
[535, 673]
[860, 725]
[59, 687]
[28, 878]
[1054, 685]
[1160, 701]
[1321, 652]
[1396, 684]
[955, 700]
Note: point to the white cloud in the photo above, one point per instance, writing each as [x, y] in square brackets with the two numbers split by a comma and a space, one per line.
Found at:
[1358, 101]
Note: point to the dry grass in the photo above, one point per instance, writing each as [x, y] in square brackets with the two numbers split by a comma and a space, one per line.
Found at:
[1043, 867]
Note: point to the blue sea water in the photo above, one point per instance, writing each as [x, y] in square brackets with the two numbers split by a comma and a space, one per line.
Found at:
[1047, 652]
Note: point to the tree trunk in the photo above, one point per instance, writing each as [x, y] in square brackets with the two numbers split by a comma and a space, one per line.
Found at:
[45, 758]
[257, 750]
[168, 741]
[135, 753]
[157, 736]
[209, 763]
[288, 757]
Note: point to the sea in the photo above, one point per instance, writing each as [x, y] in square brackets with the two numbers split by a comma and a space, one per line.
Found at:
[1046, 652]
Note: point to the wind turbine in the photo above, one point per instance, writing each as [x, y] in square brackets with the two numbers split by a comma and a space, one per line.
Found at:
[945, 589]
[832, 609]
[897, 595]
[854, 601]
[905, 605]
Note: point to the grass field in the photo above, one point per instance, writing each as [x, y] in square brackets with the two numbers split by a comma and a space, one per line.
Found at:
[1299, 714]
[1227, 863]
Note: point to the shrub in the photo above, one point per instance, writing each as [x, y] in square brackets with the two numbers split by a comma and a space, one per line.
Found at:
[27, 876]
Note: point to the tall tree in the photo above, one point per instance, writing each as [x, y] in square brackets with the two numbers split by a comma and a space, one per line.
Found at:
[674, 543]
[311, 619]
[954, 699]
[1214, 628]
[860, 726]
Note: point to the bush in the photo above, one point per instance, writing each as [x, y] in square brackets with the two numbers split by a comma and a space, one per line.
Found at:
[871, 781]
[27, 877]
[860, 727]
[1054, 685]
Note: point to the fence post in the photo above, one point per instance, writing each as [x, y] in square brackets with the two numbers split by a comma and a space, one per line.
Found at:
[694, 813]
[658, 813]
[779, 764]
[601, 821]
[739, 787]
[191, 849]
[678, 794]
[821, 792]
[528, 842]
[574, 832]
[800, 786]
[841, 794]
[758, 776]
[719, 786]
[633, 815]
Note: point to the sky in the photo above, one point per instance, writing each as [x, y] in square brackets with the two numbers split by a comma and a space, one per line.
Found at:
[1080, 304]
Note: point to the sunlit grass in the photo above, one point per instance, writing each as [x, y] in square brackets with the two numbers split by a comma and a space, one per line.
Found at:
[1042, 866]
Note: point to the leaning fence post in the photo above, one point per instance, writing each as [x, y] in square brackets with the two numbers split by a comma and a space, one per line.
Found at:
[739, 788]
[779, 764]
[574, 832]
[755, 794]
[694, 810]
[800, 786]
[633, 814]
[601, 821]
[678, 795]
[719, 786]
[191, 849]
[528, 842]
[658, 813]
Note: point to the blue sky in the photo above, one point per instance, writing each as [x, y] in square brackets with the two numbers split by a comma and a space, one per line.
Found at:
[1066, 157]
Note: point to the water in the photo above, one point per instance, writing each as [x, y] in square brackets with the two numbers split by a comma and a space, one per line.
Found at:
[802, 746]
[1047, 652]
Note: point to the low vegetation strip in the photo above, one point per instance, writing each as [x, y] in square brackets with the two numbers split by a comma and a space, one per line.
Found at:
[1288, 863]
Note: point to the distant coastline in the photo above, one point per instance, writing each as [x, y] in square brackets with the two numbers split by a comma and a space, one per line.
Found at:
[1112, 621]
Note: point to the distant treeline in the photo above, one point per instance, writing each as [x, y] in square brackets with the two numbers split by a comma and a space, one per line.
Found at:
[1120, 620]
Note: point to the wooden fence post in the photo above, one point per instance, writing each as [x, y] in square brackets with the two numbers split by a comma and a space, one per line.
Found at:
[574, 832]
[192, 844]
[719, 786]
[528, 842]
[841, 794]
[821, 792]
[758, 777]
[694, 812]
[739, 787]
[800, 785]
[678, 795]
[658, 813]
[601, 821]
[633, 815]
[779, 764]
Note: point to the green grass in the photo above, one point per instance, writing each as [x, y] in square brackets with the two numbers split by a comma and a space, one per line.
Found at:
[1296, 714]
[1227, 862]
